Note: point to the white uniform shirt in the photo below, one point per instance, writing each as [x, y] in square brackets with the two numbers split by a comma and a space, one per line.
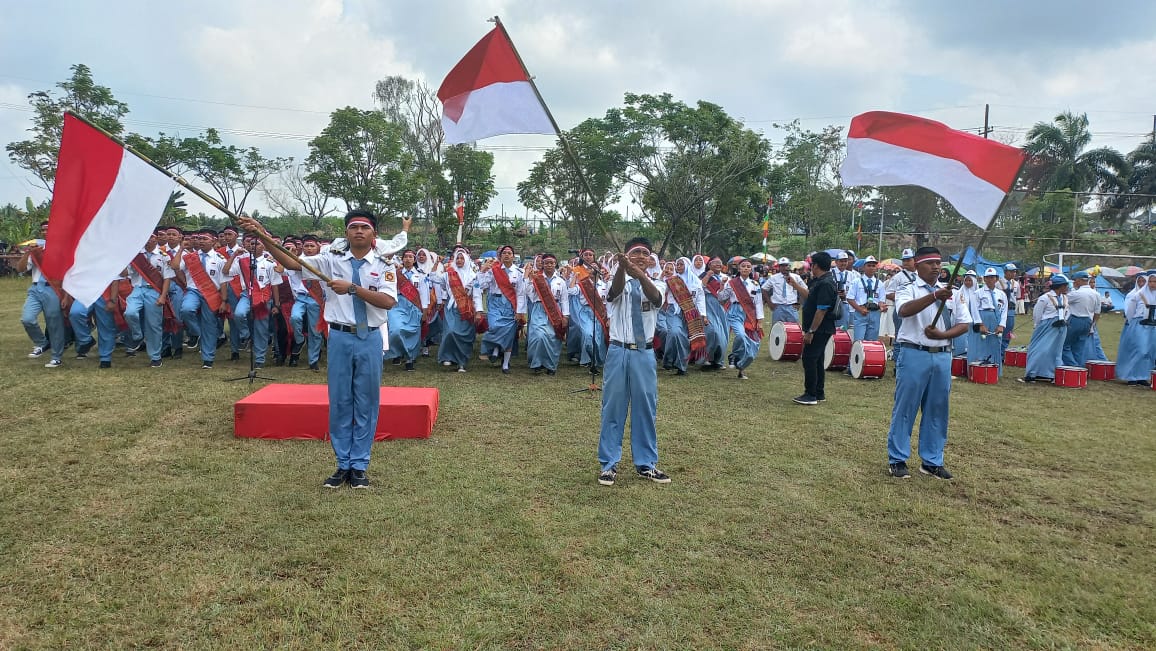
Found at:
[266, 274]
[419, 281]
[991, 299]
[557, 288]
[1137, 302]
[214, 264]
[1084, 302]
[490, 286]
[782, 292]
[1050, 305]
[376, 274]
[159, 261]
[620, 319]
[727, 294]
[440, 282]
[901, 279]
[911, 327]
[295, 282]
[866, 290]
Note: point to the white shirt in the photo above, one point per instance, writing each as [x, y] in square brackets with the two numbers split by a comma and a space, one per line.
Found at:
[440, 282]
[1050, 305]
[866, 290]
[991, 299]
[214, 264]
[901, 279]
[1084, 302]
[619, 315]
[376, 274]
[295, 282]
[782, 292]
[490, 286]
[557, 288]
[847, 278]
[1137, 302]
[727, 293]
[698, 295]
[159, 261]
[911, 327]
[419, 281]
[266, 274]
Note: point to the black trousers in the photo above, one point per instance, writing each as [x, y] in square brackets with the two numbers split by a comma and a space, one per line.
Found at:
[814, 372]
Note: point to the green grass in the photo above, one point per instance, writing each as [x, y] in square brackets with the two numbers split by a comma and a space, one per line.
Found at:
[130, 517]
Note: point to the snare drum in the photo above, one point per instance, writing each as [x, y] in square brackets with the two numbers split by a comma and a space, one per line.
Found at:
[1017, 357]
[959, 366]
[1098, 370]
[1072, 377]
[786, 341]
[868, 359]
[838, 352]
[982, 373]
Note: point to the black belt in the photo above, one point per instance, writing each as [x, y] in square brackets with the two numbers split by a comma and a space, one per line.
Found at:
[649, 345]
[928, 349]
[42, 283]
[349, 328]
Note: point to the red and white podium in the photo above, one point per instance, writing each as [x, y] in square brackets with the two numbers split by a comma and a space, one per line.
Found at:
[301, 411]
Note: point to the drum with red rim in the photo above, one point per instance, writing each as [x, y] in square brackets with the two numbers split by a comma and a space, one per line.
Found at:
[1017, 357]
[1100, 370]
[1072, 377]
[838, 352]
[982, 373]
[959, 366]
[786, 341]
[868, 359]
[1153, 380]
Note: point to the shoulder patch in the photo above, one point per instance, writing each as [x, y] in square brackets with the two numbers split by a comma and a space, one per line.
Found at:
[389, 277]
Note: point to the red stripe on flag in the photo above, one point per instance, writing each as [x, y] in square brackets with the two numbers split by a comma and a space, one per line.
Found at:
[492, 60]
[991, 161]
[88, 166]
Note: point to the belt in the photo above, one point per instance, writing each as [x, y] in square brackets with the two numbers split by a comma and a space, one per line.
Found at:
[348, 328]
[42, 283]
[649, 345]
[929, 349]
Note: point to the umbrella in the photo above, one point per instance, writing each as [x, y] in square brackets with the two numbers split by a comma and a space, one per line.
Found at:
[490, 254]
[834, 253]
[1106, 272]
[760, 257]
[891, 264]
[1130, 270]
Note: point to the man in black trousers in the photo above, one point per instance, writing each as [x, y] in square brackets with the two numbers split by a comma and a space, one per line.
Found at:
[821, 296]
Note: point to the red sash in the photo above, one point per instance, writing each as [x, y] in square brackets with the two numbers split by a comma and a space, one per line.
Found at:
[504, 284]
[246, 273]
[209, 291]
[690, 314]
[751, 324]
[714, 286]
[172, 254]
[593, 299]
[259, 298]
[406, 288]
[314, 289]
[553, 312]
[147, 271]
[461, 295]
[38, 258]
[118, 303]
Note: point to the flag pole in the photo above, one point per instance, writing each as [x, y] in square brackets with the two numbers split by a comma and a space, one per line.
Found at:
[557, 131]
[268, 241]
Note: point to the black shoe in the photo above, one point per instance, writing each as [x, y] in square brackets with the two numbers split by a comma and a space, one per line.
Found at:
[505, 371]
[295, 350]
[934, 471]
[607, 477]
[206, 365]
[1027, 379]
[132, 348]
[178, 354]
[313, 366]
[166, 352]
[278, 361]
[396, 361]
[357, 479]
[257, 366]
[337, 479]
[821, 398]
[806, 400]
[234, 357]
[221, 341]
[653, 474]
[551, 371]
[293, 359]
[409, 366]
[536, 370]
[106, 364]
[899, 470]
[82, 350]
[193, 343]
[680, 372]
[156, 363]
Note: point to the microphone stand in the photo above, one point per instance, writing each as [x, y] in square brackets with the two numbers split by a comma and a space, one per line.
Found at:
[249, 320]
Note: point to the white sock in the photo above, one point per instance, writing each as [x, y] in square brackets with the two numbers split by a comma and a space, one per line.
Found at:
[506, 359]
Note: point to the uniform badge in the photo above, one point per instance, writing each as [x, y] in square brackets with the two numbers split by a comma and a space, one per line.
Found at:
[389, 277]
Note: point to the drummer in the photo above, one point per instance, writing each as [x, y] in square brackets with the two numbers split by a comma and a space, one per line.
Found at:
[1046, 347]
[989, 316]
[866, 298]
[782, 289]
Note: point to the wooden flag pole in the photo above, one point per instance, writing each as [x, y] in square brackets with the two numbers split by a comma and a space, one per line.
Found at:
[264, 237]
[557, 131]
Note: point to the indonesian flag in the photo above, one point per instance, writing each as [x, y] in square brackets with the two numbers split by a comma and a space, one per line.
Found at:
[488, 93]
[973, 174]
[105, 203]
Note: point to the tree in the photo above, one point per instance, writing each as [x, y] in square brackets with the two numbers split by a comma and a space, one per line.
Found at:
[1060, 159]
[359, 158]
[415, 107]
[295, 195]
[471, 177]
[81, 95]
[804, 182]
[1141, 184]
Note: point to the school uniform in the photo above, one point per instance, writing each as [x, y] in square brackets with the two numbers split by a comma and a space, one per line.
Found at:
[989, 307]
[865, 292]
[1045, 350]
[543, 348]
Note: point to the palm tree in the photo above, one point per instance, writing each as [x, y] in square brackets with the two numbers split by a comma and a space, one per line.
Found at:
[1059, 160]
[1141, 182]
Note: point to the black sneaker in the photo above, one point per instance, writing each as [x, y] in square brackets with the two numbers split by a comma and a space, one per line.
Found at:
[166, 352]
[337, 479]
[653, 474]
[295, 350]
[607, 477]
[156, 363]
[193, 343]
[234, 357]
[934, 471]
[358, 479]
[821, 398]
[206, 365]
[409, 366]
[1027, 379]
[82, 350]
[106, 364]
[293, 359]
[899, 470]
[396, 361]
[313, 366]
[551, 371]
[807, 400]
[257, 366]
[178, 354]
[131, 349]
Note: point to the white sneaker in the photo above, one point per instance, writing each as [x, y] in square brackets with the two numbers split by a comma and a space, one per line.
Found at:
[36, 352]
[53, 364]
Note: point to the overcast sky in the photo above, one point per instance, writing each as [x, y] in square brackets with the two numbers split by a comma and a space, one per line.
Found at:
[269, 72]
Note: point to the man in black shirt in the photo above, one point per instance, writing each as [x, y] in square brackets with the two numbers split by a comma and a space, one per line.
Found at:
[820, 297]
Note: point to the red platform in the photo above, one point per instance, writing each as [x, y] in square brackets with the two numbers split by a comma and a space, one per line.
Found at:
[301, 411]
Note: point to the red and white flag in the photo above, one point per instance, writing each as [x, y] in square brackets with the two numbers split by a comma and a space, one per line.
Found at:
[105, 203]
[973, 174]
[488, 93]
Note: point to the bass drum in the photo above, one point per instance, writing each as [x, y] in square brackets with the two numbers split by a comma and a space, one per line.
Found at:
[786, 341]
[838, 353]
[868, 359]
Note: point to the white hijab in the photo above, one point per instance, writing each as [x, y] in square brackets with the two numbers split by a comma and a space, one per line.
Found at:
[465, 267]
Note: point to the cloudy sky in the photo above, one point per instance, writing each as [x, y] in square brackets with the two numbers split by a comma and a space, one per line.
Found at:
[268, 72]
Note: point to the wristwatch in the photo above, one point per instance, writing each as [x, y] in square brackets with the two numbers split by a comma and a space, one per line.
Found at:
[352, 291]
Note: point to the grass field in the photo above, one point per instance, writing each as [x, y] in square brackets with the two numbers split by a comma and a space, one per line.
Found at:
[130, 517]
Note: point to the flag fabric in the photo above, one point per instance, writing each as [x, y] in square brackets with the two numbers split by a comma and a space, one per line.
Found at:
[973, 174]
[460, 210]
[105, 203]
[488, 93]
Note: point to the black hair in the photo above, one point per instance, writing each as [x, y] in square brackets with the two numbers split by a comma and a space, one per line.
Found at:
[635, 241]
[822, 260]
[364, 214]
[926, 250]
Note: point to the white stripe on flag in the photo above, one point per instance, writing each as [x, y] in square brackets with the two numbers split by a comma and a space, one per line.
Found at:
[498, 109]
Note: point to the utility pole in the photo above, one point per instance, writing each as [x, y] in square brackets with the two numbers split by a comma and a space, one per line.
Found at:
[987, 112]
